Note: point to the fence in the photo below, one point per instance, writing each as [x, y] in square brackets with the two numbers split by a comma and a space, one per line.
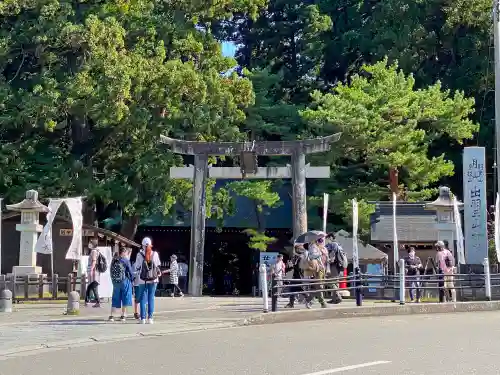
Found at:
[485, 286]
[42, 287]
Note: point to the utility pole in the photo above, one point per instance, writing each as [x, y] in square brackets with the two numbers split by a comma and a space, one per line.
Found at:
[496, 36]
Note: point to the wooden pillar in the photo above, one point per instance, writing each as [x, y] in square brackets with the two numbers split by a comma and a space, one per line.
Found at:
[197, 246]
[299, 193]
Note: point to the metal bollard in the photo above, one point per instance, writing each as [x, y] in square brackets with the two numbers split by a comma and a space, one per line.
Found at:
[358, 285]
[6, 301]
[274, 294]
[73, 307]
[263, 286]
[402, 290]
[487, 279]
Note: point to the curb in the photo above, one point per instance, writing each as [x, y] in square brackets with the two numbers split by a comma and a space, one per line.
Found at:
[368, 311]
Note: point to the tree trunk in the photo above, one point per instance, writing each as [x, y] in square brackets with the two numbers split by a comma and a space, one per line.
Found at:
[394, 181]
[129, 227]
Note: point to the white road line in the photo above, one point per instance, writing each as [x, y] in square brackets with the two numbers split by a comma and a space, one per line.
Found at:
[347, 368]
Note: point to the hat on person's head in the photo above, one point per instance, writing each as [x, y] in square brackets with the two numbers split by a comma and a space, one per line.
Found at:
[146, 241]
[173, 257]
[439, 244]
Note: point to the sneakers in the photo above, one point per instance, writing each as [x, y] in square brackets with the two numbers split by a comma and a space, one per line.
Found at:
[181, 295]
[309, 305]
[142, 321]
[97, 305]
[172, 295]
[289, 306]
[111, 319]
[150, 321]
[123, 319]
[136, 316]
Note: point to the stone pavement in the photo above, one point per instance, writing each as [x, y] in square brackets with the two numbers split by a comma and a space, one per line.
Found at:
[33, 327]
[441, 344]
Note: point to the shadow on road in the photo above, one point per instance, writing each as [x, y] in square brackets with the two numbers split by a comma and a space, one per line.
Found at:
[65, 322]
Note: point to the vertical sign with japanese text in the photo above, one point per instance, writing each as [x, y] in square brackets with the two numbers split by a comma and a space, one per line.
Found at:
[474, 177]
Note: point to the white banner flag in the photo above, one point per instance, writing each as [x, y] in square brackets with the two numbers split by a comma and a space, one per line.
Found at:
[75, 210]
[458, 233]
[497, 226]
[325, 211]
[355, 256]
[44, 242]
[395, 234]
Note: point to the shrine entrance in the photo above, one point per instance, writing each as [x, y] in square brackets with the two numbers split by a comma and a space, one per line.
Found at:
[248, 152]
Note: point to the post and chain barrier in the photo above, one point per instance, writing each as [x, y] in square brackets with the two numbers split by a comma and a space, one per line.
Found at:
[400, 283]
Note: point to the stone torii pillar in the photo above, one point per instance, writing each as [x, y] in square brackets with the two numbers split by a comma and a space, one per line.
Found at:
[248, 152]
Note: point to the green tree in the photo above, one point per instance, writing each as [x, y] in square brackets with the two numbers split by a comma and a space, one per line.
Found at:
[387, 123]
[263, 195]
[86, 88]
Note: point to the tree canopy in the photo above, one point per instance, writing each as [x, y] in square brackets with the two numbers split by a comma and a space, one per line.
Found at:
[87, 87]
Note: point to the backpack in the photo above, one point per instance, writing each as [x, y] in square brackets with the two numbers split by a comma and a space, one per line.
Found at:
[447, 262]
[310, 260]
[101, 264]
[149, 272]
[339, 257]
[117, 271]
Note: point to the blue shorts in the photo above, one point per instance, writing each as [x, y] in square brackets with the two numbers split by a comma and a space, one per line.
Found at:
[122, 295]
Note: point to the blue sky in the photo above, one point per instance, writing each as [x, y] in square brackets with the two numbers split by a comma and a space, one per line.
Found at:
[228, 49]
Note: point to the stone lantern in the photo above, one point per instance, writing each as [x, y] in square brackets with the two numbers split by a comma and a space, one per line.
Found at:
[445, 220]
[29, 227]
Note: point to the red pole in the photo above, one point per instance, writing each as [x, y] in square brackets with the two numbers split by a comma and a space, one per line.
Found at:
[343, 284]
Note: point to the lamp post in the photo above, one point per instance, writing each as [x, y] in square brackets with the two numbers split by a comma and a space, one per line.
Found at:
[445, 220]
[29, 227]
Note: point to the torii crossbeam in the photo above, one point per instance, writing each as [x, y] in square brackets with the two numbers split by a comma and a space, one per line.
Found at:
[248, 152]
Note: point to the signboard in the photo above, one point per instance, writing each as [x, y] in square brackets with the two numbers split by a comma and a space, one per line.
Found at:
[69, 233]
[475, 216]
[267, 258]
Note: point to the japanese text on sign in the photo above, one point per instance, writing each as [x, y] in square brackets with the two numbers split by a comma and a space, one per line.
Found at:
[476, 241]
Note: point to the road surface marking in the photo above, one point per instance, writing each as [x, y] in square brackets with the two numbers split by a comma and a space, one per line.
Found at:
[347, 368]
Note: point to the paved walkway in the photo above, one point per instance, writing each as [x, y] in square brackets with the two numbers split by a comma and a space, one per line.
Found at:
[37, 326]
[449, 344]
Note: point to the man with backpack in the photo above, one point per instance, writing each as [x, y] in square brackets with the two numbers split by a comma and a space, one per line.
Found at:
[97, 265]
[121, 276]
[337, 259]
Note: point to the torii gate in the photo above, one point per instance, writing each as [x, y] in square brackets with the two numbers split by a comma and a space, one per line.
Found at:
[248, 152]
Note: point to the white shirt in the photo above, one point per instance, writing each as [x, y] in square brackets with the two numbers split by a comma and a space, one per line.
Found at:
[92, 273]
[138, 265]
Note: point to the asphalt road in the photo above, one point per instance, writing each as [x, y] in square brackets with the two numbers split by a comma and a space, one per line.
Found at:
[451, 344]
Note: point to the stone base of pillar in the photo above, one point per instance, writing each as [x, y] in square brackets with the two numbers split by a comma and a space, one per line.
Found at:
[26, 270]
[33, 273]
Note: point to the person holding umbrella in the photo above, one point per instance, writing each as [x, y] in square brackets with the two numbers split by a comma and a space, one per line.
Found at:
[314, 264]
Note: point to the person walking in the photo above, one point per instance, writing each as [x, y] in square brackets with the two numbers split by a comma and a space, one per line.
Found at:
[147, 268]
[298, 275]
[413, 264]
[338, 261]
[94, 275]
[121, 275]
[317, 259]
[278, 270]
[183, 275]
[445, 262]
[173, 272]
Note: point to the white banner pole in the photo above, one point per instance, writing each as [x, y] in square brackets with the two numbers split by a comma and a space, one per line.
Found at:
[325, 211]
[497, 226]
[355, 222]
[395, 234]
